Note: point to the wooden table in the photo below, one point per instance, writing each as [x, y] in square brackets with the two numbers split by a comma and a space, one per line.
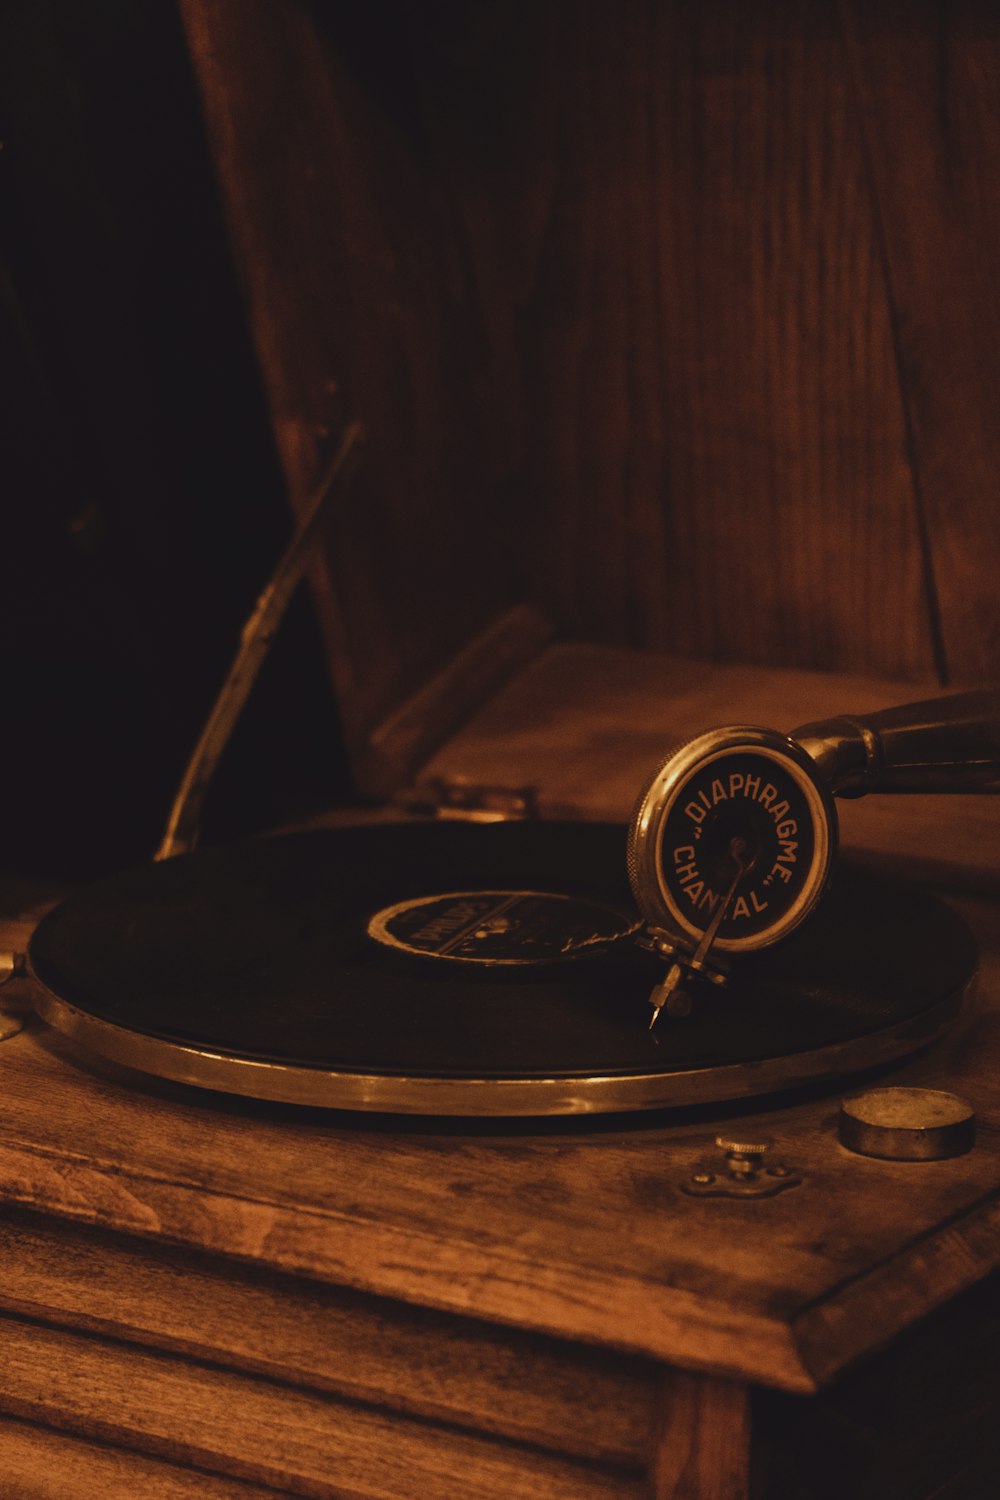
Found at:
[203, 1296]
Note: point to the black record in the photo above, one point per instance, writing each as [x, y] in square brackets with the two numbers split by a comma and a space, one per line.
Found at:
[453, 968]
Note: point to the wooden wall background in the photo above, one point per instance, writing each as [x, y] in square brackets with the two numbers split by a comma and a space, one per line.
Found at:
[677, 320]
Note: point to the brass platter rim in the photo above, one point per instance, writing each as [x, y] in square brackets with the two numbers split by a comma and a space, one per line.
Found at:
[483, 1098]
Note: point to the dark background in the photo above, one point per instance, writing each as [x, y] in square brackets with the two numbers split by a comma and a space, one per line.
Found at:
[142, 505]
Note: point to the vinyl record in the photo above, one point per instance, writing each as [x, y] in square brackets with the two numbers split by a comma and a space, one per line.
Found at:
[472, 969]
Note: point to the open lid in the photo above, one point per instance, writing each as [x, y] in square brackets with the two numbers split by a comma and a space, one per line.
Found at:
[536, 256]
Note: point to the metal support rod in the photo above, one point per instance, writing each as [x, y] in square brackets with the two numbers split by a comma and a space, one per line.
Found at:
[184, 822]
[949, 744]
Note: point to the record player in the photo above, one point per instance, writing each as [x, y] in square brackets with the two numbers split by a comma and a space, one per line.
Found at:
[495, 969]
[345, 1160]
[499, 966]
[280, 1115]
[616, 1278]
[556, 1128]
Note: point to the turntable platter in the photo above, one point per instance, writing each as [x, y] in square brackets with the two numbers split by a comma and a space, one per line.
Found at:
[472, 969]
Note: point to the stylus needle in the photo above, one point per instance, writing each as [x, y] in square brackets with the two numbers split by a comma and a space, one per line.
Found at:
[661, 993]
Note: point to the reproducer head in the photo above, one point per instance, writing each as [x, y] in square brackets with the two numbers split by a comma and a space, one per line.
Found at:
[734, 837]
[738, 783]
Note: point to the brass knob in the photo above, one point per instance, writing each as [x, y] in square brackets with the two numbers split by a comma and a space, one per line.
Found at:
[743, 1158]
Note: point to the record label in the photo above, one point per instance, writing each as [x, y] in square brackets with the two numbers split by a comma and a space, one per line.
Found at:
[500, 927]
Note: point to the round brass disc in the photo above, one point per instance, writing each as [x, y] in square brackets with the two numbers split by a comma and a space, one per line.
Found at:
[250, 969]
[907, 1124]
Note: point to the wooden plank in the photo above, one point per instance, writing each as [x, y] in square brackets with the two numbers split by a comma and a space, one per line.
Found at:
[445, 1369]
[703, 1446]
[679, 261]
[38, 1463]
[927, 79]
[298, 1442]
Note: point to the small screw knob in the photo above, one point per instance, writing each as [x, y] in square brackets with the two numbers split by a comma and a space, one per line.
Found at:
[742, 1157]
[740, 1148]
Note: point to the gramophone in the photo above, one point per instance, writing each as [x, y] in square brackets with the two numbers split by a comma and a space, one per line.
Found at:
[504, 968]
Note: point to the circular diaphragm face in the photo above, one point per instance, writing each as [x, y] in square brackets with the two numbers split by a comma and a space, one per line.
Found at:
[737, 793]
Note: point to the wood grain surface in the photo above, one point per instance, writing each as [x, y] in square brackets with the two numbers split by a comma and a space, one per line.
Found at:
[928, 79]
[296, 1441]
[703, 1447]
[42, 1464]
[556, 1396]
[678, 321]
[683, 262]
